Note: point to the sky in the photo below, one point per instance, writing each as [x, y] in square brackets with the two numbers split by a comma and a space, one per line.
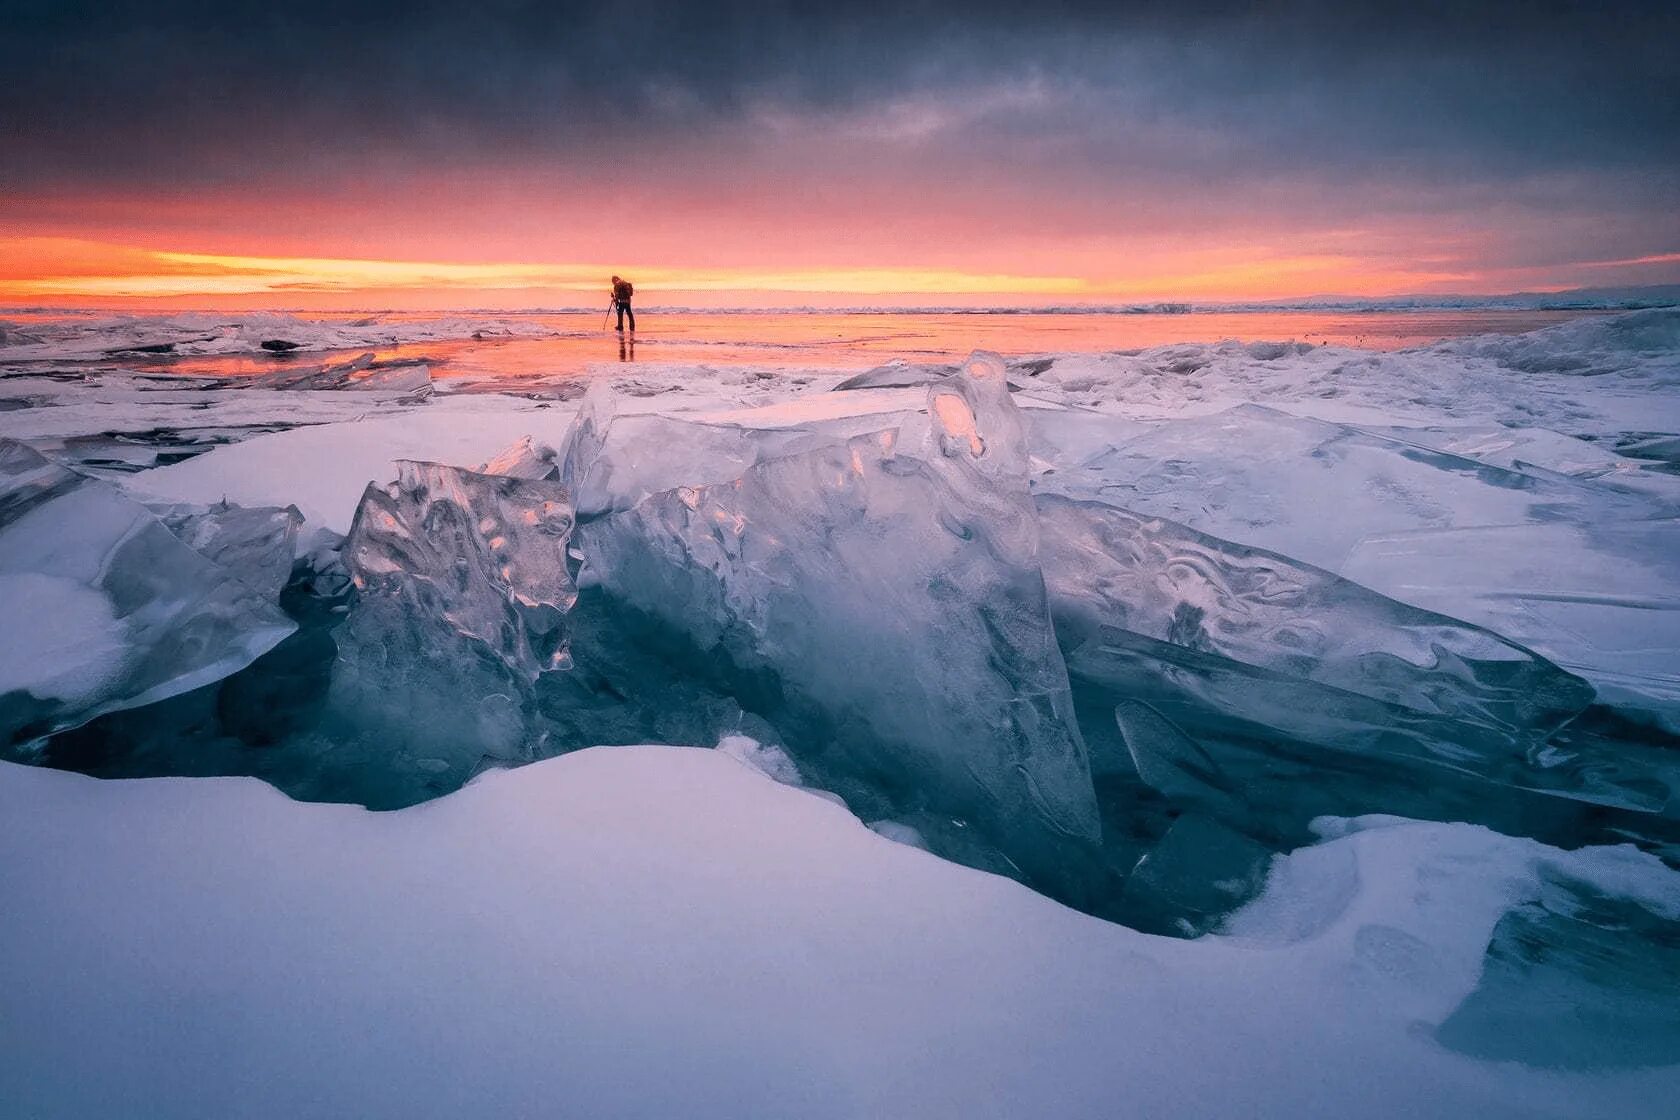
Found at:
[183, 153]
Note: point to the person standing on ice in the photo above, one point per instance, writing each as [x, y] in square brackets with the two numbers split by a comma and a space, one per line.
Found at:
[622, 290]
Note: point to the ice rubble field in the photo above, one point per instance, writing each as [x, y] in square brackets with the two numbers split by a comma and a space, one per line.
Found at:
[1174, 637]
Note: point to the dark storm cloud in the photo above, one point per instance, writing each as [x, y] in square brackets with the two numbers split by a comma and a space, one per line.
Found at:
[113, 94]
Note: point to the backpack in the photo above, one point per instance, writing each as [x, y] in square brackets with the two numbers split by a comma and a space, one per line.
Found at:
[625, 289]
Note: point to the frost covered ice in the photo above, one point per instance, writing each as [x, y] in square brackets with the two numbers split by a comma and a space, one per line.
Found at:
[107, 608]
[610, 462]
[1313, 490]
[1601, 598]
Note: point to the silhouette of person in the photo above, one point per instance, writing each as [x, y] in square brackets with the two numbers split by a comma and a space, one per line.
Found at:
[622, 291]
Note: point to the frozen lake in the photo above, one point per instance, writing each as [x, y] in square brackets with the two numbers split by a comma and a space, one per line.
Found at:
[520, 348]
[1351, 667]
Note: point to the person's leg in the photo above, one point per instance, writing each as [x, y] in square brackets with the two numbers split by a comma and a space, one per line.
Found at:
[631, 311]
[619, 305]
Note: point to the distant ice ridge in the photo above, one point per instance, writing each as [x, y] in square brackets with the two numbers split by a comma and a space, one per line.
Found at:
[1604, 379]
[236, 332]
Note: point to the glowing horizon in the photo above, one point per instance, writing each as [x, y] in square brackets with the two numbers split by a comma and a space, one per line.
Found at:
[71, 272]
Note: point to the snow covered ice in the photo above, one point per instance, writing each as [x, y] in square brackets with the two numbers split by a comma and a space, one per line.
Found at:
[1171, 635]
[656, 931]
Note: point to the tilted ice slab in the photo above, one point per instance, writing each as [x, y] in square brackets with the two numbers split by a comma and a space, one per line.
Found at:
[880, 602]
[1267, 753]
[1264, 692]
[257, 546]
[1601, 598]
[1312, 490]
[1110, 567]
[106, 607]
[462, 592]
[407, 380]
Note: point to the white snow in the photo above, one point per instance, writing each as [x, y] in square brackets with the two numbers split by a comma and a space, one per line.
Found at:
[62, 638]
[663, 932]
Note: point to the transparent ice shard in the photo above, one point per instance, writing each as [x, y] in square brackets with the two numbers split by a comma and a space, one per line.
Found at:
[879, 601]
[96, 579]
[257, 544]
[1108, 567]
[462, 592]
[525, 459]
[1582, 977]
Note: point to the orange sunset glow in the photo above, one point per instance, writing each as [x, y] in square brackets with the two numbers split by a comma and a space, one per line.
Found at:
[73, 272]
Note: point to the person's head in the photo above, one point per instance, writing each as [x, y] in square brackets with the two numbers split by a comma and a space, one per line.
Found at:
[615, 279]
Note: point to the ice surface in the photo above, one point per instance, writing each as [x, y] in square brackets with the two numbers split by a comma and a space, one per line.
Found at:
[1313, 490]
[324, 469]
[879, 602]
[241, 332]
[1601, 598]
[462, 592]
[708, 942]
[1420, 442]
[106, 608]
[117, 424]
[610, 461]
[1108, 567]
[255, 545]
[842, 594]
